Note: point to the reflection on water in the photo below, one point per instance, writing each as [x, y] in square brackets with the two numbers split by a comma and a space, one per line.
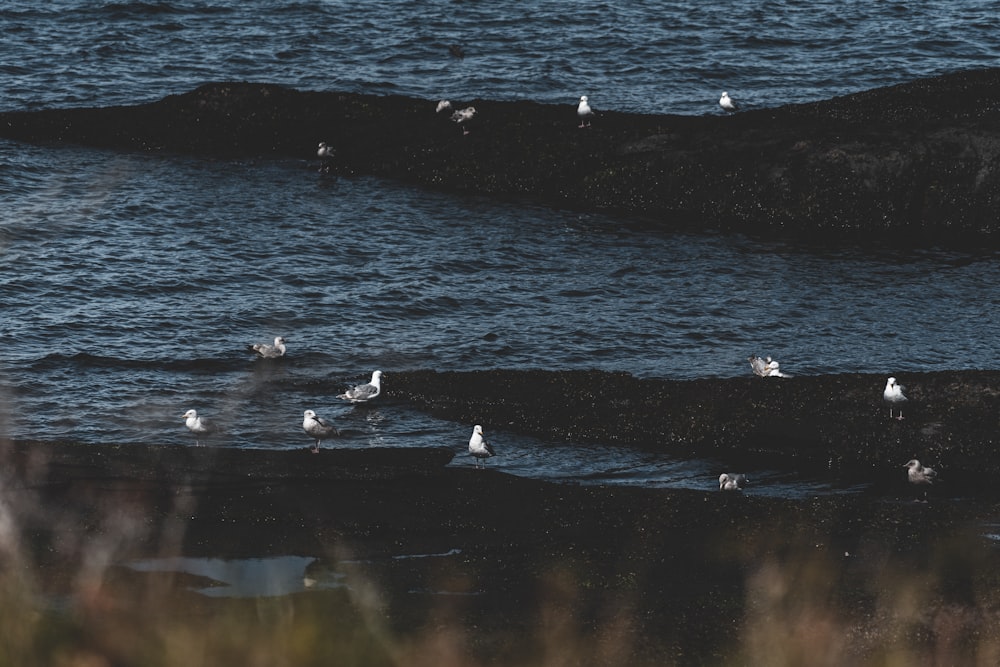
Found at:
[246, 577]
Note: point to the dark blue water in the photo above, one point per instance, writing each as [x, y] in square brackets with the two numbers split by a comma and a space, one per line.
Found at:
[130, 283]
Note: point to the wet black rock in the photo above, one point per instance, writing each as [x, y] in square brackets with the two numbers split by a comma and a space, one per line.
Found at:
[834, 423]
[909, 164]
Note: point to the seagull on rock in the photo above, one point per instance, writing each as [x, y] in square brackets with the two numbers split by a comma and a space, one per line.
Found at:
[268, 351]
[478, 446]
[198, 425]
[584, 111]
[326, 153]
[728, 103]
[463, 117]
[363, 393]
[729, 481]
[318, 428]
[893, 396]
[765, 367]
[920, 476]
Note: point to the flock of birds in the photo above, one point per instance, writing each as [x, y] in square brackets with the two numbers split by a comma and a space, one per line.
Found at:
[317, 427]
[322, 429]
[919, 475]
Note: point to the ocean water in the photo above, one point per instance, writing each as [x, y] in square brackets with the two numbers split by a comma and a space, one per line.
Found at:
[131, 283]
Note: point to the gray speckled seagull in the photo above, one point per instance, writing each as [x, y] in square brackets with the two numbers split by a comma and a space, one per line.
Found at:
[729, 481]
[318, 428]
[920, 476]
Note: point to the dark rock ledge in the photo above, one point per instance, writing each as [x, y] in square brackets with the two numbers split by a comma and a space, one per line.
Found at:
[917, 163]
[832, 423]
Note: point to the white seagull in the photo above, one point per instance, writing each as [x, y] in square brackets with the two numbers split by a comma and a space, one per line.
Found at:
[478, 446]
[318, 428]
[364, 392]
[919, 475]
[198, 425]
[765, 367]
[325, 150]
[728, 103]
[584, 111]
[443, 105]
[893, 395]
[463, 116]
[269, 351]
[729, 481]
[326, 153]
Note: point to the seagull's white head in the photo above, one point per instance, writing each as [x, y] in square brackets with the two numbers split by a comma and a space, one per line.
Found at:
[478, 430]
[890, 382]
[583, 98]
[191, 414]
[309, 414]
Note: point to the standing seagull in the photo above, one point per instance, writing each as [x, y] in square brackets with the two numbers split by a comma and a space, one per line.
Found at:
[728, 103]
[198, 425]
[364, 392]
[920, 475]
[326, 153]
[732, 481]
[478, 446]
[269, 351]
[584, 111]
[318, 428]
[463, 117]
[893, 395]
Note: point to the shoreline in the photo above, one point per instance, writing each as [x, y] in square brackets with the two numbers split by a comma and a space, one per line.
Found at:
[908, 165]
[489, 568]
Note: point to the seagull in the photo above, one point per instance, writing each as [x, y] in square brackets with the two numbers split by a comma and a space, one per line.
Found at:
[893, 395]
[584, 111]
[478, 446]
[772, 369]
[269, 351]
[919, 475]
[318, 428]
[325, 152]
[364, 392]
[729, 481]
[765, 367]
[198, 425]
[463, 116]
[728, 103]
[443, 105]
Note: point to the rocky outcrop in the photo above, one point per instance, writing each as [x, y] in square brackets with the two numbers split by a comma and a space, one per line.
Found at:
[917, 163]
[830, 424]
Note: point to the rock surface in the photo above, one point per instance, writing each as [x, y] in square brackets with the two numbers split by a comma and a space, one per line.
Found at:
[464, 566]
[917, 163]
[832, 423]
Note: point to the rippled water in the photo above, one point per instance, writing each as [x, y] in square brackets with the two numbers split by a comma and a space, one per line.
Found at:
[630, 56]
[130, 283]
